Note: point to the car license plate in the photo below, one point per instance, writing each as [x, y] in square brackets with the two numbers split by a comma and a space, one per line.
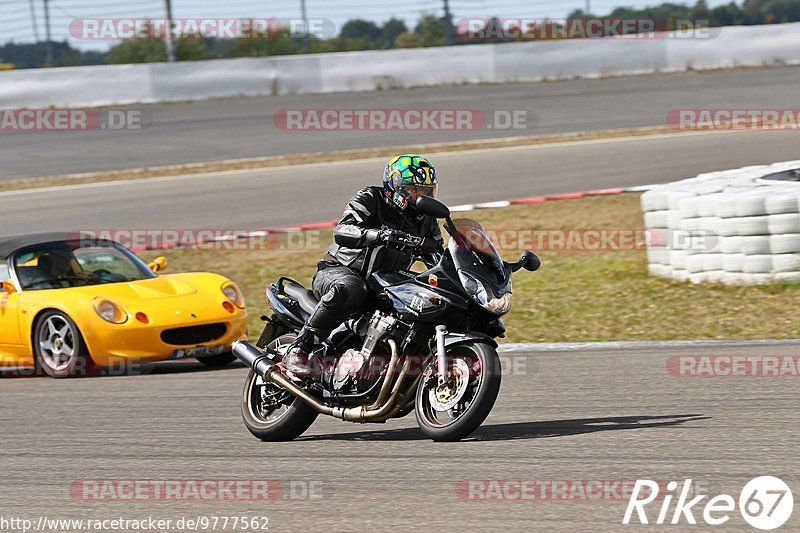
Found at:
[198, 351]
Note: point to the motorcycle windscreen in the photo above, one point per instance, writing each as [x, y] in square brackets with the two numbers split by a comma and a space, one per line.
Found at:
[476, 249]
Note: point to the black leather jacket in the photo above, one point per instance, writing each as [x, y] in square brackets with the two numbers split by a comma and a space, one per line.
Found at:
[356, 244]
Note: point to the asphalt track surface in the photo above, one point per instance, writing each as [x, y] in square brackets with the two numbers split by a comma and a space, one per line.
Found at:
[243, 127]
[268, 198]
[593, 414]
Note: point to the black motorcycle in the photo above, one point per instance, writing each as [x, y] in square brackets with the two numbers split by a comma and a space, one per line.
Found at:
[426, 343]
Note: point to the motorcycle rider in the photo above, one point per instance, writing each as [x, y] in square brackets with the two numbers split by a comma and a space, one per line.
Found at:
[373, 234]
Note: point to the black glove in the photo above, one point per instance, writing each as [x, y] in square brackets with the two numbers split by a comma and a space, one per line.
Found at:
[400, 239]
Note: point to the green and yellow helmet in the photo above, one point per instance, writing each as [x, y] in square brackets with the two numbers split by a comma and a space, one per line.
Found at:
[406, 178]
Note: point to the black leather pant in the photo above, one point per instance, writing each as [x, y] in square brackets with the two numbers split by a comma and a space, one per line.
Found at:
[342, 292]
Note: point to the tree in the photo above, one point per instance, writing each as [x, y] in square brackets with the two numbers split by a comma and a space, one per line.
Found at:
[190, 48]
[726, 15]
[390, 30]
[782, 10]
[753, 11]
[429, 31]
[138, 51]
[275, 42]
[700, 11]
[32, 55]
[147, 47]
[406, 40]
[360, 29]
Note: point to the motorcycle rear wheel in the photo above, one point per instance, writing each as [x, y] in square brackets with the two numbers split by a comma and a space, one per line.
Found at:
[269, 412]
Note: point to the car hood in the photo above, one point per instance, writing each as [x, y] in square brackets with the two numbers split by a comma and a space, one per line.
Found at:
[143, 289]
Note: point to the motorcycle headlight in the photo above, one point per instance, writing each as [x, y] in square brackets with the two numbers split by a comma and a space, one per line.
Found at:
[233, 294]
[474, 288]
[481, 295]
[109, 311]
[499, 306]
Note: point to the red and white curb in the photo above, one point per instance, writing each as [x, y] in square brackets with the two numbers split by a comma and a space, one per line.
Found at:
[456, 209]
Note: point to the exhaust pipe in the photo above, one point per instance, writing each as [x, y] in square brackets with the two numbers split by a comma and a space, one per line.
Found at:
[383, 395]
[252, 357]
[265, 367]
[368, 412]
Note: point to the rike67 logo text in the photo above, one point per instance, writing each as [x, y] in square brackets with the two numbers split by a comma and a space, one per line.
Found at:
[765, 503]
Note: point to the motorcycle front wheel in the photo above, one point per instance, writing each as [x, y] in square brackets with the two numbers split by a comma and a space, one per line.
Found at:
[269, 412]
[452, 410]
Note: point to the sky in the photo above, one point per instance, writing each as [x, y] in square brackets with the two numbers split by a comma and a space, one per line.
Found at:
[16, 21]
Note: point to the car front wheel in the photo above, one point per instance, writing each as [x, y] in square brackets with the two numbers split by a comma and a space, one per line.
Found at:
[58, 347]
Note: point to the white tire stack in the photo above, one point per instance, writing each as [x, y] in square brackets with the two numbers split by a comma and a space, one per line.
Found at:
[726, 227]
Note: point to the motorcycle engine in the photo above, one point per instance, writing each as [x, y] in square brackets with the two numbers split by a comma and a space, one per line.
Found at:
[348, 370]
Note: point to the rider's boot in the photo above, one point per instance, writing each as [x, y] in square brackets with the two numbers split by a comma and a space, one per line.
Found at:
[297, 356]
[299, 364]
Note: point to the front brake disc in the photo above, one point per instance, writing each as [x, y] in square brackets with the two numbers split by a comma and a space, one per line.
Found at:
[445, 396]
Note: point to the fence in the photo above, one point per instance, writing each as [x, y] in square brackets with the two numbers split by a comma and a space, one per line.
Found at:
[376, 70]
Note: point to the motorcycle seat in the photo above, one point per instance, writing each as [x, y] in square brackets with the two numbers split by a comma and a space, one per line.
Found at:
[305, 298]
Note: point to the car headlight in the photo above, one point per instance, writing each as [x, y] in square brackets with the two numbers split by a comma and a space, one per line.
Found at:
[233, 294]
[109, 311]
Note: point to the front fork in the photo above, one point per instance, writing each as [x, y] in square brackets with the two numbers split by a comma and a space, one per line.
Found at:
[441, 354]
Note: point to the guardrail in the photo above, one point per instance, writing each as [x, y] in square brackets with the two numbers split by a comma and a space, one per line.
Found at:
[738, 226]
[385, 69]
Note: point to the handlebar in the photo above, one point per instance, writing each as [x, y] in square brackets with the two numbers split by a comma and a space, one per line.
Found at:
[403, 240]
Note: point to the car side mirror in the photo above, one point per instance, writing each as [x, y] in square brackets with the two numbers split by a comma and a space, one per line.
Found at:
[432, 207]
[158, 264]
[8, 287]
[529, 261]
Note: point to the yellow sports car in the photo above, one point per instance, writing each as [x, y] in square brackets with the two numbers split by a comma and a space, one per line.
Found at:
[70, 304]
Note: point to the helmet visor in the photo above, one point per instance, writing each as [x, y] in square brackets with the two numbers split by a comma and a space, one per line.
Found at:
[416, 191]
[412, 191]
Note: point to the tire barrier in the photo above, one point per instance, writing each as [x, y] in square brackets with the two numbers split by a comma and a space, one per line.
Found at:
[735, 227]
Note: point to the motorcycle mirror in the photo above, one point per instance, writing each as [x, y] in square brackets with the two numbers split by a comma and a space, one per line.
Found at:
[432, 207]
[532, 261]
[529, 261]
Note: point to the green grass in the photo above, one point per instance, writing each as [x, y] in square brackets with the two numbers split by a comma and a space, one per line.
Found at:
[576, 296]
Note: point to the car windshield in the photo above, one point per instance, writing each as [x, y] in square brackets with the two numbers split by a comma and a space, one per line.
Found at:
[77, 264]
